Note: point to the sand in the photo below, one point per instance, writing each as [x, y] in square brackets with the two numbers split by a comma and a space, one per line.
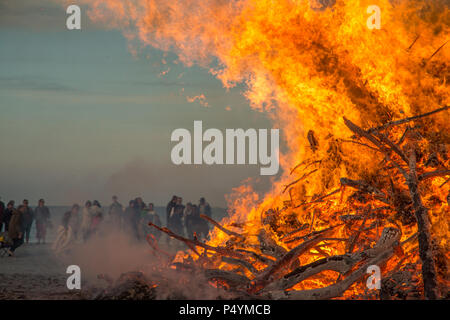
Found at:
[34, 273]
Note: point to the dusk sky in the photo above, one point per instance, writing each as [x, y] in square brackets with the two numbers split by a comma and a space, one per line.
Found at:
[81, 118]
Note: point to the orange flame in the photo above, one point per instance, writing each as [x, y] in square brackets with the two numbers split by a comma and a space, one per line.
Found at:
[308, 64]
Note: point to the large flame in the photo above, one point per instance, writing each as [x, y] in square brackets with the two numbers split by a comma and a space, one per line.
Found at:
[308, 64]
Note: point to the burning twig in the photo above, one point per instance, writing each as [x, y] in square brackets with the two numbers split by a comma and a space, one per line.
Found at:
[354, 238]
[312, 141]
[215, 223]
[299, 179]
[361, 144]
[242, 263]
[394, 123]
[434, 53]
[432, 174]
[193, 243]
[412, 44]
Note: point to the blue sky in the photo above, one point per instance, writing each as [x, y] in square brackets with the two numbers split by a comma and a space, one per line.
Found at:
[81, 118]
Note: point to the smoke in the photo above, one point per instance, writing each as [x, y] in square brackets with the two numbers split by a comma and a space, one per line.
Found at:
[112, 252]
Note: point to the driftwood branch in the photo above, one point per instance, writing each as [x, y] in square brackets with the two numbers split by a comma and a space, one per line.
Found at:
[423, 224]
[380, 253]
[432, 174]
[195, 243]
[215, 223]
[394, 123]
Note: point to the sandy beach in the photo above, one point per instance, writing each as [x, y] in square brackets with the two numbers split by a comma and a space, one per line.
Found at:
[34, 273]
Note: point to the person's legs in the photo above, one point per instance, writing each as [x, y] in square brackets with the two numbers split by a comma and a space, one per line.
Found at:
[38, 232]
[43, 232]
[16, 243]
[27, 232]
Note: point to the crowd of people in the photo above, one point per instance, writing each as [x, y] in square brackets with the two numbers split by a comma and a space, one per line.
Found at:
[80, 224]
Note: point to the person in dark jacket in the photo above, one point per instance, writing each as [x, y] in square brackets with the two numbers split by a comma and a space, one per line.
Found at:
[132, 218]
[28, 218]
[195, 223]
[16, 228]
[169, 211]
[204, 207]
[115, 212]
[2, 214]
[176, 217]
[8, 214]
[42, 217]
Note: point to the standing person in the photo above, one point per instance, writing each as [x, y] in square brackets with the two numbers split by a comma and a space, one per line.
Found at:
[132, 218]
[2, 214]
[151, 216]
[139, 203]
[176, 219]
[204, 207]
[8, 214]
[42, 216]
[16, 228]
[74, 220]
[169, 212]
[28, 218]
[195, 223]
[169, 208]
[86, 219]
[65, 237]
[115, 212]
[97, 217]
[189, 220]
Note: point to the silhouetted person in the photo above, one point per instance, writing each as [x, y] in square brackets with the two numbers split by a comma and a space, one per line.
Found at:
[176, 217]
[42, 216]
[2, 215]
[169, 208]
[8, 214]
[140, 205]
[28, 218]
[97, 217]
[16, 228]
[132, 218]
[204, 207]
[195, 223]
[74, 220]
[86, 220]
[115, 212]
[151, 216]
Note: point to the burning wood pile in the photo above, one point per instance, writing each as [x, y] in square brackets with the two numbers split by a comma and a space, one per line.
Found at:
[373, 217]
[365, 189]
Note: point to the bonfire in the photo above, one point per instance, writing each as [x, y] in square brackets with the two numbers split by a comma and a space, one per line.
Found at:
[365, 117]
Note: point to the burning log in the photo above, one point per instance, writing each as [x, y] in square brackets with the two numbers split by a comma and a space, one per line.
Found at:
[363, 186]
[423, 223]
[269, 246]
[231, 278]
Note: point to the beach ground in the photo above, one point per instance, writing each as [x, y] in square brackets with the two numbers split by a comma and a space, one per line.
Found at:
[34, 273]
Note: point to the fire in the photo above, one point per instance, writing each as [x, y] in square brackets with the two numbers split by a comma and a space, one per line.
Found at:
[308, 65]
